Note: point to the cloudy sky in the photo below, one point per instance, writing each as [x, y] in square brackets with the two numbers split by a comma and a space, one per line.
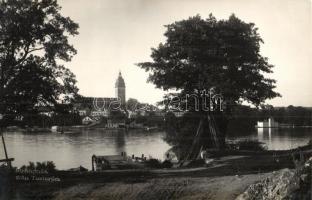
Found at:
[116, 34]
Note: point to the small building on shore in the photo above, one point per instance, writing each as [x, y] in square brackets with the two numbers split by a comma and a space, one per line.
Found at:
[100, 113]
[269, 123]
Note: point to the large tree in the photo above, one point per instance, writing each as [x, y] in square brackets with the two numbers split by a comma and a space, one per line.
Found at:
[221, 56]
[33, 48]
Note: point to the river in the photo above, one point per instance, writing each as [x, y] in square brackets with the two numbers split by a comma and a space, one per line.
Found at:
[74, 149]
[279, 138]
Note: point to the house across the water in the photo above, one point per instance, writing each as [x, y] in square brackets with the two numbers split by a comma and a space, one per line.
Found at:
[269, 123]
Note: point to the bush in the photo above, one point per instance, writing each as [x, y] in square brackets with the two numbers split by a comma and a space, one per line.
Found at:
[250, 145]
[167, 164]
[48, 166]
[153, 163]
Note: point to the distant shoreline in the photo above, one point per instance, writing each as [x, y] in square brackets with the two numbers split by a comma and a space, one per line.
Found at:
[73, 128]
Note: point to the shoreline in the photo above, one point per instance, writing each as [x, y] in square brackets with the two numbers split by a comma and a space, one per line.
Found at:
[239, 168]
[74, 128]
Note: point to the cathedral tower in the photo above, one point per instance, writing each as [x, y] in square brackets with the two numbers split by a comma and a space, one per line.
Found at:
[120, 89]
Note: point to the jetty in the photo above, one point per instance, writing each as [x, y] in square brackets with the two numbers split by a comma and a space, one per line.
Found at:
[122, 161]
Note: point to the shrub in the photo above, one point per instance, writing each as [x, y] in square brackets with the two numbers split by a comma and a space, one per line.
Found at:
[251, 145]
[48, 166]
[167, 164]
[153, 163]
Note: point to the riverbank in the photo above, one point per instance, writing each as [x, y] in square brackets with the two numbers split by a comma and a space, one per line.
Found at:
[193, 184]
[226, 177]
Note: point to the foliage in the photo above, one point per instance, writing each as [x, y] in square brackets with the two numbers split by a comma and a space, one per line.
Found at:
[180, 132]
[69, 119]
[219, 56]
[244, 118]
[153, 163]
[250, 145]
[33, 41]
[242, 121]
[48, 166]
[298, 116]
[203, 54]
[167, 164]
[150, 121]
[118, 115]
[132, 104]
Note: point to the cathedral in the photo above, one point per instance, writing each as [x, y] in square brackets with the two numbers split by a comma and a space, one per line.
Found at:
[100, 106]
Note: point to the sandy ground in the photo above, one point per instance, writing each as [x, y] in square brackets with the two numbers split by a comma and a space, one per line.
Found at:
[219, 188]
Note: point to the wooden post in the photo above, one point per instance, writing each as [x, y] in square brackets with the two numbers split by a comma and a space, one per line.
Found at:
[92, 162]
[5, 150]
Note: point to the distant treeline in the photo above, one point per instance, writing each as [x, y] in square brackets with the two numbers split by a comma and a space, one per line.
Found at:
[44, 121]
[298, 116]
[244, 118]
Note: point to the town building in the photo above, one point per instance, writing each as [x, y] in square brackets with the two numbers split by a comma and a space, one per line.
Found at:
[100, 113]
[101, 106]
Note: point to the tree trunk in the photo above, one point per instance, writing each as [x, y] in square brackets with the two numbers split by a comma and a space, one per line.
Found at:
[213, 131]
[210, 134]
[194, 150]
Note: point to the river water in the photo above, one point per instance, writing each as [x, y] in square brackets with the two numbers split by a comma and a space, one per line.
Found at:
[71, 150]
[279, 138]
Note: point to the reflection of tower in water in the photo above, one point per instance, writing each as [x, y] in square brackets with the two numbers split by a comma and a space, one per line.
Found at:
[120, 141]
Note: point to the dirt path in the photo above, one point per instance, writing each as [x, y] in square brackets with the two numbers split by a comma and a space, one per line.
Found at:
[219, 188]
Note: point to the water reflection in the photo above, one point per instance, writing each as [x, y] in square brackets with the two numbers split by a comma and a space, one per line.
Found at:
[284, 138]
[277, 138]
[75, 149]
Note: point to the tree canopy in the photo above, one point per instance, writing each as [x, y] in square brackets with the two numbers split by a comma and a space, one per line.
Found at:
[219, 56]
[33, 48]
[223, 55]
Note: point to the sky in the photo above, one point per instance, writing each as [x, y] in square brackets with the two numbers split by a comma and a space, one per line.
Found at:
[117, 34]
